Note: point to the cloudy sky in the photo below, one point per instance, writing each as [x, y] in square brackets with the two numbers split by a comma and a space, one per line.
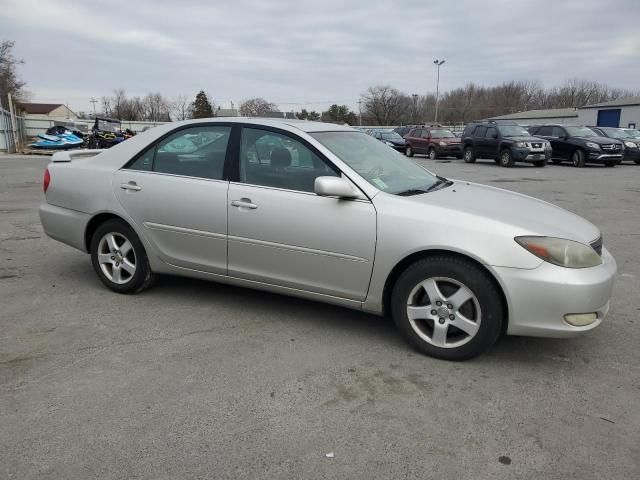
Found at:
[308, 54]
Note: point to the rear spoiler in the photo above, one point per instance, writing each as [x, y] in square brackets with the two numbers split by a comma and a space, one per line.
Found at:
[71, 155]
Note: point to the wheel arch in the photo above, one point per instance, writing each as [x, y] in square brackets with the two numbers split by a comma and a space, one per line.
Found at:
[410, 259]
[95, 222]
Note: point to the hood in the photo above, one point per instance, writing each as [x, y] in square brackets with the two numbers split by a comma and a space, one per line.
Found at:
[600, 140]
[527, 139]
[519, 214]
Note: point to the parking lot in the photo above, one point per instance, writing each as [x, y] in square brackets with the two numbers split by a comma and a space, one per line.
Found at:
[199, 380]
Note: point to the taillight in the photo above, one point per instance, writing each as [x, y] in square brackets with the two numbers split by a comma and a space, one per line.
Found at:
[47, 180]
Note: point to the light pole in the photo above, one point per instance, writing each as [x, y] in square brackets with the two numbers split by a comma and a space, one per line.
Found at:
[415, 106]
[437, 63]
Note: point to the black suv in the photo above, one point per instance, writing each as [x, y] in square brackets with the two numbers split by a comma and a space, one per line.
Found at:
[631, 149]
[504, 142]
[580, 145]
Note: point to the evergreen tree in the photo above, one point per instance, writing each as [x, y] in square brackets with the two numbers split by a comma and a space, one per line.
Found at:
[201, 108]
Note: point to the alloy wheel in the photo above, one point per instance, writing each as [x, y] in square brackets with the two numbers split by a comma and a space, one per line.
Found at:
[444, 312]
[117, 258]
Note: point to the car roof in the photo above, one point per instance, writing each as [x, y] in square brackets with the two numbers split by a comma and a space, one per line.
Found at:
[303, 125]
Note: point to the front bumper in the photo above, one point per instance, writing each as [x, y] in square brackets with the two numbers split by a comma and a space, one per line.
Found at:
[597, 156]
[632, 155]
[452, 150]
[538, 299]
[527, 155]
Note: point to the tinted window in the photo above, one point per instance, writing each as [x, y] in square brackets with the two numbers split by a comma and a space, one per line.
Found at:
[557, 132]
[275, 160]
[544, 131]
[480, 131]
[491, 132]
[191, 152]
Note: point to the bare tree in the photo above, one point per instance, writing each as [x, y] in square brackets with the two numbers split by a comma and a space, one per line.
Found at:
[181, 108]
[257, 107]
[10, 82]
[386, 105]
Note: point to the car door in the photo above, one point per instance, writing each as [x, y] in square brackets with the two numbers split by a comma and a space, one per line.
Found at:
[176, 193]
[479, 147]
[546, 132]
[562, 147]
[282, 233]
[490, 142]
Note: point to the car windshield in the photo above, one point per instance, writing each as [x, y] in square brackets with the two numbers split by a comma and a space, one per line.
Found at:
[513, 131]
[634, 133]
[580, 132]
[391, 136]
[616, 133]
[381, 166]
[442, 134]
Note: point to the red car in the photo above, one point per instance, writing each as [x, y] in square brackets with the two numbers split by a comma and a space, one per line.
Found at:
[434, 141]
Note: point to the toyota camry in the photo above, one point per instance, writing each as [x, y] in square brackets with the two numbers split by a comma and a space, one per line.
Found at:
[330, 214]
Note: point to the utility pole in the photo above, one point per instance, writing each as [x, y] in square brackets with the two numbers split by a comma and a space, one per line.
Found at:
[360, 111]
[93, 101]
[437, 63]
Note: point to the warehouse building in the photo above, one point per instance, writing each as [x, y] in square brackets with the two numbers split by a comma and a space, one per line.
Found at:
[623, 112]
[536, 117]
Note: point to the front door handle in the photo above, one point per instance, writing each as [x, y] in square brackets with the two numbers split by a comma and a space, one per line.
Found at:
[244, 203]
[131, 186]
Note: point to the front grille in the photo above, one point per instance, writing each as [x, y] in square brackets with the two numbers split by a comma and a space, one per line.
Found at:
[536, 145]
[611, 146]
[597, 245]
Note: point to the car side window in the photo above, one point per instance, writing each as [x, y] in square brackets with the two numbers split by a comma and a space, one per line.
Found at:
[271, 159]
[543, 131]
[557, 132]
[425, 133]
[192, 152]
[491, 133]
[480, 131]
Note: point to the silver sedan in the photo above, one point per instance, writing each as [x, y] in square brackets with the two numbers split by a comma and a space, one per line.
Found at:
[330, 214]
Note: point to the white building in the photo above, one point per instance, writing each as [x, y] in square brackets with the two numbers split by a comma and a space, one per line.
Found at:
[623, 112]
[537, 117]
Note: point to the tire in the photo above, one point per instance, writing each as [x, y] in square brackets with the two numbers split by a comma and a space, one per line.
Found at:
[468, 155]
[540, 163]
[555, 161]
[577, 158]
[506, 159]
[409, 152]
[465, 329]
[432, 154]
[108, 245]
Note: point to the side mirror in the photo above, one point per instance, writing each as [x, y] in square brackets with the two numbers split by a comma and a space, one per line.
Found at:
[334, 187]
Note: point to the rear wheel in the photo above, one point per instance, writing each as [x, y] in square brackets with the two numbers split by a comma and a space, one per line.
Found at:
[119, 258]
[409, 152]
[447, 307]
[506, 159]
[468, 155]
[577, 158]
[432, 154]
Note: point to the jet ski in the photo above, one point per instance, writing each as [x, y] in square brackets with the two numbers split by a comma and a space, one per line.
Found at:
[59, 141]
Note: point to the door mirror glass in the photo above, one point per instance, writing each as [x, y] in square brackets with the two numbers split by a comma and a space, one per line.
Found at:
[335, 187]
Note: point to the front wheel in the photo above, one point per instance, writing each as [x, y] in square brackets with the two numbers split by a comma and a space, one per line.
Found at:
[432, 154]
[447, 307]
[468, 155]
[119, 259]
[506, 159]
[408, 152]
[577, 158]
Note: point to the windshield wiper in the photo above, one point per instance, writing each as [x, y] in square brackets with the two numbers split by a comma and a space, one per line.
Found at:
[438, 183]
[411, 191]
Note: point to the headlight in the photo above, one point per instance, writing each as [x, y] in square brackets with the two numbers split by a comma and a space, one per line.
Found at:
[522, 144]
[443, 144]
[630, 145]
[562, 252]
[593, 145]
[388, 143]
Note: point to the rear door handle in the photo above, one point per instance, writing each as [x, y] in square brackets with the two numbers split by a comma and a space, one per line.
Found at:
[244, 203]
[131, 186]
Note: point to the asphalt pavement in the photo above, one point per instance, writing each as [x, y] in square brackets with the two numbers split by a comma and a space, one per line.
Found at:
[199, 380]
